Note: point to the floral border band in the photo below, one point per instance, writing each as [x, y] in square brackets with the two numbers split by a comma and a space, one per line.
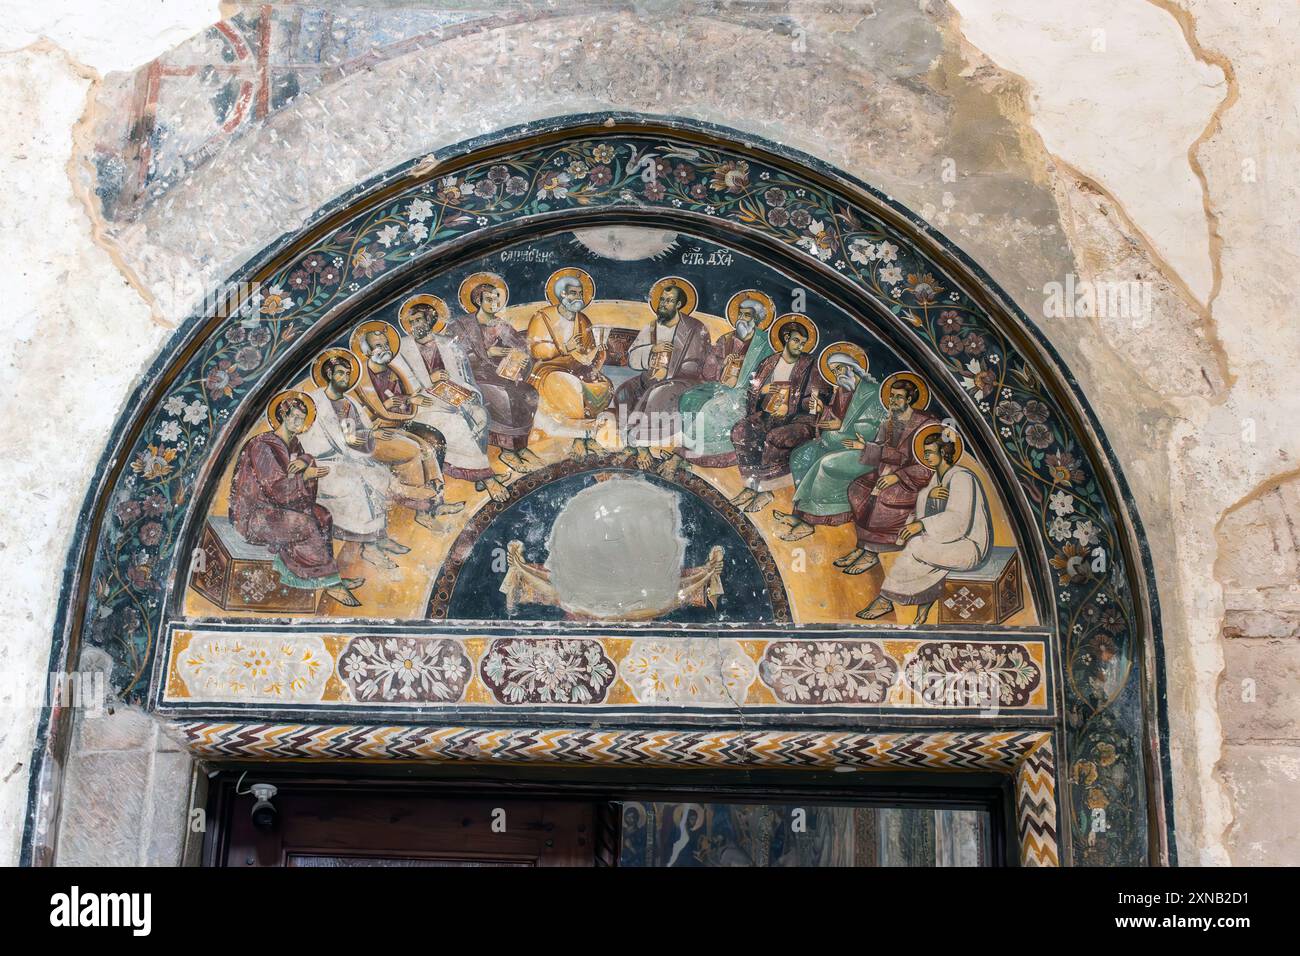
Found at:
[972, 675]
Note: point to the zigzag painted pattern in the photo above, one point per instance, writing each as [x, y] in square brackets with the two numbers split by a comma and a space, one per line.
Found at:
[989, 751]
[1036, 807]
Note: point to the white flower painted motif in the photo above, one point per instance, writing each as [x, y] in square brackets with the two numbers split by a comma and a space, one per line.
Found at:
[404, 669]
[195, 412]
[421, 209]
[1062, 503]
[829, 672]
[547, 670]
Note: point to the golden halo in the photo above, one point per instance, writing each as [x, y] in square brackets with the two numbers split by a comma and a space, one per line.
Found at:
[439, 310]
[733, 306]
[374, 325]
[471, 282]
[657, 290]
[588, 284]
[795, 318]
[283, 397]
[922, 400]
[318, 367]
[935, 428]
[855, 352]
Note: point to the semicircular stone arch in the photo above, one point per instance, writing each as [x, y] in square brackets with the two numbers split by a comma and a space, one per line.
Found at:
[570, 425]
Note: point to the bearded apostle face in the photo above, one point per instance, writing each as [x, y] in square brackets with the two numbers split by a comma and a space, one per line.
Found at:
[339, 374]
[421, 323]
[846, 377]
[898, 399]
[746, 322]
[670, 300]
[380, 353]
[569, 292]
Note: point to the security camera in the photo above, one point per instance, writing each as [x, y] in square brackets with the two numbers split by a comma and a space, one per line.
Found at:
[263, 808]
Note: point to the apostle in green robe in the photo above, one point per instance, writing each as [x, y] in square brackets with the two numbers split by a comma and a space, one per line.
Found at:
[823, 469]
[710, 410]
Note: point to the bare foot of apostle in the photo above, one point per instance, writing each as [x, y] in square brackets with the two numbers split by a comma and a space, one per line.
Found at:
[785, 518]
[644, 460]
[448, 508]
[877, 608]
[530, 458]
[495, 489]
[391, 546]
[759, 502]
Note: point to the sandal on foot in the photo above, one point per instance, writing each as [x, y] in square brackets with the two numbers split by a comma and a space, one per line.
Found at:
[882, 607]
[857, 567]
[796, 533]
[377, 558]
[342, 596]
[844, 560]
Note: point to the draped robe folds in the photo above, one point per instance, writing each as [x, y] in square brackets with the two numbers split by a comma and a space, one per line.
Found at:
[764, 442]
[709, 411]
[277, 510]
[356, 490]
[656, 403]
[571, 395]
[510, 405]
[880, 517]
[956, 537]
[465, 428]
[824, 469]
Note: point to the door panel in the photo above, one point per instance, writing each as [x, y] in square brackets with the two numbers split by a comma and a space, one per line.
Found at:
[336, 828]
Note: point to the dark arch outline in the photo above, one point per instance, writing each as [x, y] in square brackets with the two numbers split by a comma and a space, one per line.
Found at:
[1147, 727]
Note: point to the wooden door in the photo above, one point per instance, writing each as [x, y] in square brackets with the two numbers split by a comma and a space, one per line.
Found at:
[339, 828]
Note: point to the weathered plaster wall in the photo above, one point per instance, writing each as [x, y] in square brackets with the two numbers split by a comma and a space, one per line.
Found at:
[1158, 157]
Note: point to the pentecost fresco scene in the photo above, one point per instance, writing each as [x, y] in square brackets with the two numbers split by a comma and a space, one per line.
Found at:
[621, 424]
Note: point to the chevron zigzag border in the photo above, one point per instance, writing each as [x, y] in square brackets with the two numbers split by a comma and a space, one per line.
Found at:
[1036, 807]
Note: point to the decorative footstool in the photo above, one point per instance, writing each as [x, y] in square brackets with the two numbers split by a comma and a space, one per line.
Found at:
[989, 594]
[238, 576]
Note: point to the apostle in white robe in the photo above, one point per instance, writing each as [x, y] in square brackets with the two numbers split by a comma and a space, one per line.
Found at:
[952, 530]
[356, 488]
[427, 359]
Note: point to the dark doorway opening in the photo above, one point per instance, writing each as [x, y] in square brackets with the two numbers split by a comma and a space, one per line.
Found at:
[661, 819]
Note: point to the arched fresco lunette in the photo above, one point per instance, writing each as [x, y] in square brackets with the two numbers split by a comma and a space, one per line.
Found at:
[1059, 497]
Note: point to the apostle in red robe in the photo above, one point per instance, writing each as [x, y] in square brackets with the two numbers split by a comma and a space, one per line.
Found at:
[883, 499]
[273, 503]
